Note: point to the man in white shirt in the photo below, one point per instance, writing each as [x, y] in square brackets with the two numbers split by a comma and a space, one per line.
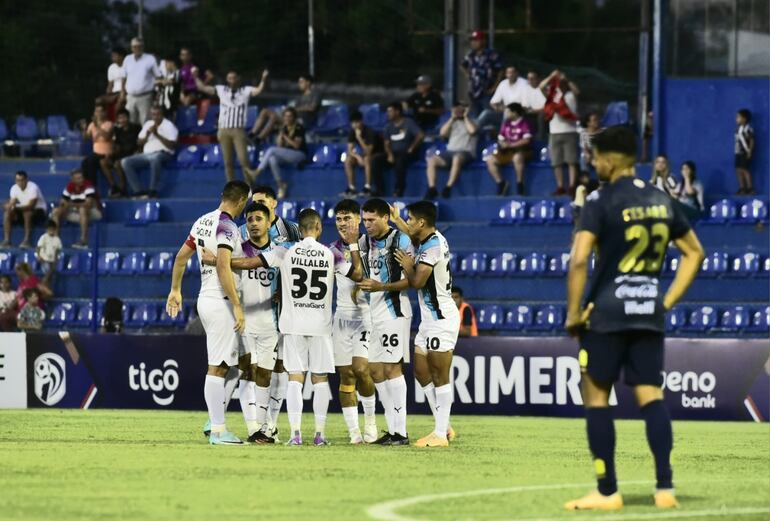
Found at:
[513, 89]
[141, 71]
[534, 103]
[157, 139]
[27, 204]
[116, 76]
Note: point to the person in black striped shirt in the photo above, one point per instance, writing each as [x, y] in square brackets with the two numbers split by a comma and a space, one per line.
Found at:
[233, 105]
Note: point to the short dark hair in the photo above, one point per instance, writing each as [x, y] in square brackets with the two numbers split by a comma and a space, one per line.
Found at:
[265, 190]
[308, 218]
[308, 77]
[458, 290]
[76, 171]
[347, 206]
[395, 105]
[51, 224]
[376, 205]
[118, 50]
[5, 277]
[234, 191]
[356, 116]
[746, 114]
[423, 210]
[123, 112]
[291, 110]
[517, 108]
[22, 173]
[27, 293]
[618, 139]
[257, 207]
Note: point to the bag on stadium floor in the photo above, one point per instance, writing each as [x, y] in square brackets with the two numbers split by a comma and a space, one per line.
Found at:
[112, 320]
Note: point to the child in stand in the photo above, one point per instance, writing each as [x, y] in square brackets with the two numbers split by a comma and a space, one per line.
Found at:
[744, 151]
[49, 248]
[31, 316]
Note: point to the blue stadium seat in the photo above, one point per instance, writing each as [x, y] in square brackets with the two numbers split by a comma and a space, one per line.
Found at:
[715, 264]
[548, 318]
[251, 116]
[143, 315]
[670, 263]
[108, 263]
[84, 316]
[143, 213]
[487, 150]
[190, 156]
[335, 120]
[78, 263]
[518, 318]
[434, 150]
[533, 264]
[616, 114]
[676, 318]
[753, 211]
[6, 262]
[57, 126]
[209, 123]
[212, 157]
[744, 265]
[29, 257]
[734, 318]
[564, 214]
[63, 313]
[133, 263]
[193, 265]
[764, 267]
[374, 116]
[454, 262]
[558, 265]
[722, 211]
[511, 212]
[186, 119]
[542, 211]
[26, 128]
[160, 263]
[287, 210]
[401, 205]
[3, 130]
[759, 320]
[319, 206]
[503, 265]
[474, 264]
[490, 317]
[702, 318]
[325, 156]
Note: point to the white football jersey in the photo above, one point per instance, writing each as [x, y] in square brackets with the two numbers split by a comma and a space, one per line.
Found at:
[307, 283]
[351, 304]
[383, 267]
[258, 287]
[213, 230]
[436, 296]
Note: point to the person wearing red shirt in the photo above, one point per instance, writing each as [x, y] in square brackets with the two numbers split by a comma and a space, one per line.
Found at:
[80, 203]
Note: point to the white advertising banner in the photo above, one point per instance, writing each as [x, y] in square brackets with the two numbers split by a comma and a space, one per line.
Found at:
[13, 371]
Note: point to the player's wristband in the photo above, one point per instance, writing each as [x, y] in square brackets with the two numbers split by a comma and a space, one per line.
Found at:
[353, 247]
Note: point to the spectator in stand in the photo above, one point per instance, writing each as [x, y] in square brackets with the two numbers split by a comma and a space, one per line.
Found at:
[31, 315]
[591, 125]
[426, 103]
[662, 178]
[26, 204]
[402, 140]
[365, 150]
[141, 72]
[157, 140]
[115, 78]
[467, 314]
[100, 132]
[28, 280]
[290, 149]
[514, 144]
[691, 191]
[126, 135]
[233, 105]
[169, 87]
[306, 108]
[189, 94]
[8, 309]
[561, 113]
[534, 104]
[79, 204]
[744, 151]
[513, 89]
[484, 70]
[461, 132]
[48, 250]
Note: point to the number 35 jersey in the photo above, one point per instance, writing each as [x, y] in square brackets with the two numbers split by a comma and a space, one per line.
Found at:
[633, 223]
[307, 286]
[436, 296]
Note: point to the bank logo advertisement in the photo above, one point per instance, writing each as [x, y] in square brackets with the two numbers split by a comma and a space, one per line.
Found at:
[50, 373]
[693, 388]
[160, 382]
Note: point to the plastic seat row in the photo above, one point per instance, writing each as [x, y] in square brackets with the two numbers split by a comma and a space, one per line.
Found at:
[544, 211]
[28, 129]
[729, 210]
[109, 262]
[135, 315]
[210, 155]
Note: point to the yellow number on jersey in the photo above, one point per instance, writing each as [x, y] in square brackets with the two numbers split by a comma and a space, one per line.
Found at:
[632, 262]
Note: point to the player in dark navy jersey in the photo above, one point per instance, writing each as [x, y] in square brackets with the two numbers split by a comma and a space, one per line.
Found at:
[630, 224]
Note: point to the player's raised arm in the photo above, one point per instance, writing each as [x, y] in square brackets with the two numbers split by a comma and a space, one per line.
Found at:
[689, 265]
[576, 281]
[397, 220]
[174, 300]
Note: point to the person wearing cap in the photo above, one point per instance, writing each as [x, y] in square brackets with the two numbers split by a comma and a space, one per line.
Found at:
[426, 103]
[484, 70]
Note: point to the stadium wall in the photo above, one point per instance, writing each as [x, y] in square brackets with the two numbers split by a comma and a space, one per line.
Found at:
[714, 379]
[699, 125]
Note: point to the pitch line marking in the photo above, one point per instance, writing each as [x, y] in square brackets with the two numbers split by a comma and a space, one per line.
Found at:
[386, 510]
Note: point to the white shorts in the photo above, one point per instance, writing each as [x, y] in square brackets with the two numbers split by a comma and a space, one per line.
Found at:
[280, 346]
[308, 353]
[351, 339]
[218, 321]
[262, 348]
[438, 336]
[390, 341]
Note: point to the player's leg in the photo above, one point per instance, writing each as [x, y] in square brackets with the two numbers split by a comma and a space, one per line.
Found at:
[421, 368]
[321, 363]
[247, 392]
[361, 339]
[296, 363]
[397, 349]
[377, 370]
[343, 361]
[279, 382]
[438, 339]
[266, 355]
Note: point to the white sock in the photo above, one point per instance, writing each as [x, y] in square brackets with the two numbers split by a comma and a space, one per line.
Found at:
[430, 395]
[247, 397]
[262, 399]
[351, 419]
[443, 409]
[387, 404]
[397, 390]
[369, 403]
[294, 406]
[231, 382]
[321, 396]
[214, 393]
[278, 385]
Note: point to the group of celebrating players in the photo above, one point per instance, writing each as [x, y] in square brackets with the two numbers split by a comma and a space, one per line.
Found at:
[266, 305]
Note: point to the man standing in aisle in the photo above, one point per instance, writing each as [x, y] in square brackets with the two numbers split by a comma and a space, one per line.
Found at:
[141, 70]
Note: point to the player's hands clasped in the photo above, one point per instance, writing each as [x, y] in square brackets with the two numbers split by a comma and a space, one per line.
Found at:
[577, 321]
[174, 303]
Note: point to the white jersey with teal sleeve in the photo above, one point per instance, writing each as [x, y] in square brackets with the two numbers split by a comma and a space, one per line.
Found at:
[383, 267]
[258, 287]
[351, 304]
[436, 296]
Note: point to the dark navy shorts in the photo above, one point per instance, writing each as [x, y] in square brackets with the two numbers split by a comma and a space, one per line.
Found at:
[639, 353]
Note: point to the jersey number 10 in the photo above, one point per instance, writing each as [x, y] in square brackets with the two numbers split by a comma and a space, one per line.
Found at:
[638, 259]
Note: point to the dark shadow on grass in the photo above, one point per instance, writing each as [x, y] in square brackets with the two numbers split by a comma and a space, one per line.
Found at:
[645, 500]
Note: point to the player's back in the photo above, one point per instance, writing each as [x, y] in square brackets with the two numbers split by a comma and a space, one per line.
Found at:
[383, 267]
[307, 284]
[351, 304]
[634, 223]
[210, 231]
[436, 296]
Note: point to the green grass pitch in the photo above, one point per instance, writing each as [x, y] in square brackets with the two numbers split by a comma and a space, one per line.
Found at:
[111, 465]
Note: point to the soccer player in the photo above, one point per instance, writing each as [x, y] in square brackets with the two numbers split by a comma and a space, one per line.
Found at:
[352, 330]
[630, 223]
[439, 327]
[391, 317]
[219, 305]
